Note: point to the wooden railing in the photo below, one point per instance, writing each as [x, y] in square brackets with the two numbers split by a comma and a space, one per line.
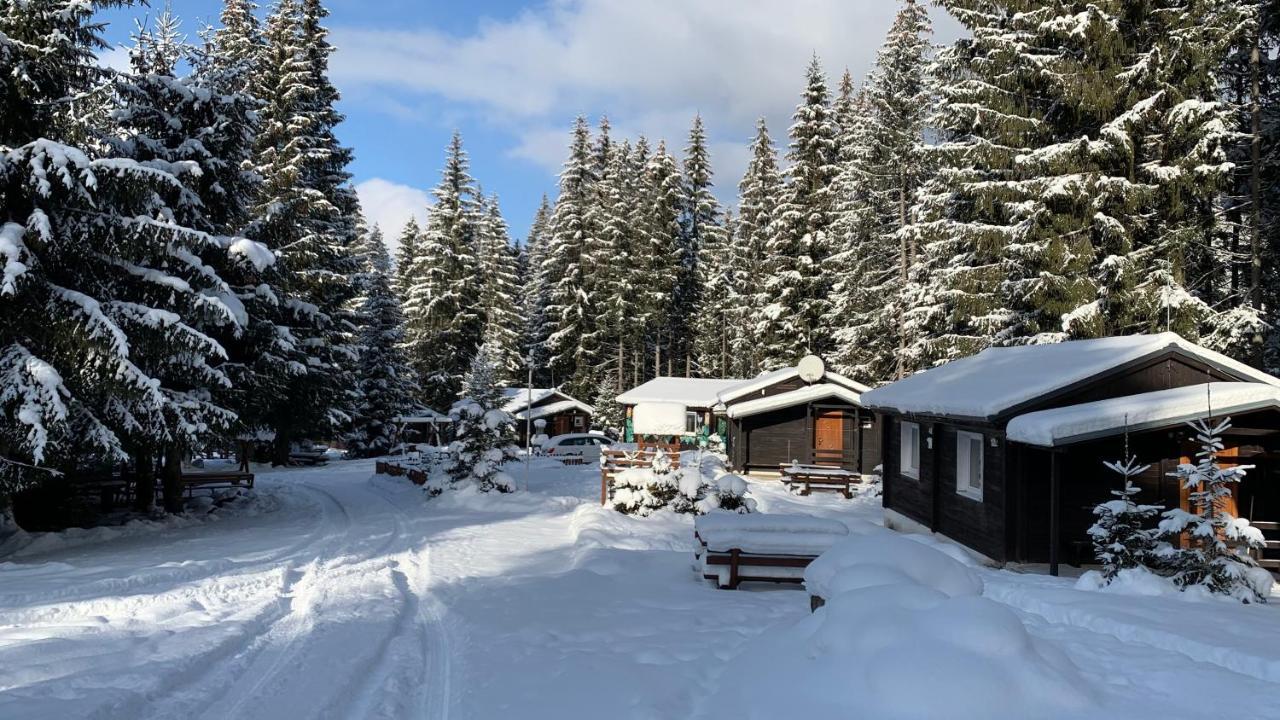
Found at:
[613, 462]
[1259, 554]
[417, 477]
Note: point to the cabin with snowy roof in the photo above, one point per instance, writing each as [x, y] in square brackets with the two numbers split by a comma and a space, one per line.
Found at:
[1003, 451]
[788, 415]
[550, 409]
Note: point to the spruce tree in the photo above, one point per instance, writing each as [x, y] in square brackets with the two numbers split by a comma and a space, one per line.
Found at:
[1121, 533]
[663, 250]
[706, 261]
[443, 311]
[386, 383]
[801, 244]
[485, 434]
[536, 285]
[572, 356]
[499, 294]
[759, 195]
[103, 291]
[883, 165]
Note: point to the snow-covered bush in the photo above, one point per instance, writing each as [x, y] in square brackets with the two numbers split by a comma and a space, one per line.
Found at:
[726, 492]
[697, 488]
[485, 434]
[641, 491]
[1210, 562]
[878, 557]
[1122, 534]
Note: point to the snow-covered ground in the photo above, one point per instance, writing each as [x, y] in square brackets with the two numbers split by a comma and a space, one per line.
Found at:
[336, 594]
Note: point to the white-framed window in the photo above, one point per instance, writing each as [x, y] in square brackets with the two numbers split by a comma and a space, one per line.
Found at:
[691, 421]
[579, 421]
[969, 464]
[909, 463]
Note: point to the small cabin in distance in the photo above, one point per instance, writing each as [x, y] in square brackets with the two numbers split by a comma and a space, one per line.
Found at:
[803, 414]
[547, 410]
[1003, 452]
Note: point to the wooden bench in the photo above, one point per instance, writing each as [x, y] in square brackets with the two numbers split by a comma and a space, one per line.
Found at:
[819, 477]
[730, 550]
[215, 481]
[614, 461]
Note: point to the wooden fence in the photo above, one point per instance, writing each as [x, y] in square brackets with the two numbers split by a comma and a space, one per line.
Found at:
[417, 477]
[615, 461]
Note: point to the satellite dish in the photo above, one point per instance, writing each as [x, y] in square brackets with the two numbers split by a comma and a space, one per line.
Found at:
[811, 368]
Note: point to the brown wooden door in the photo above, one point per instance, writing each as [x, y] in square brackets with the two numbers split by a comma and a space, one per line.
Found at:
[828, 438]
[1230, 503]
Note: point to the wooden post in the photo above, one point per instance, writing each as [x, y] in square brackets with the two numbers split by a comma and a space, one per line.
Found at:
[733, 568]
[1055, 501]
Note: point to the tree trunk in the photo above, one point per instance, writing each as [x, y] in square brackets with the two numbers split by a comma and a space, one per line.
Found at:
[280, 448]
[144, 482]
[657, 355]
[172, 478]
[1255, 172]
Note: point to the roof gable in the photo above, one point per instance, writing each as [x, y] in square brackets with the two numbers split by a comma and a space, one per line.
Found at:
[690, 392]
[997, 381]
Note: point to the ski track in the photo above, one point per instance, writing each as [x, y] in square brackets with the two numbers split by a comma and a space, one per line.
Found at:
[336, 623]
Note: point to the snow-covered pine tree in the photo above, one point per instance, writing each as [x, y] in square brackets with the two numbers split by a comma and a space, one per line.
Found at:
[1209, 562]
[759, 194]
[706, 273]
[308, 212]
[800, 280]
[570, 311]
[81, 232]
[387, 384]
[1123, 534]
[443, 313]
[165, 121]
[499, 294]
[663, 252]
[616, 327]
[484, 432]
[410, 236]
[535, 285]
[229, 187]
[883, 164]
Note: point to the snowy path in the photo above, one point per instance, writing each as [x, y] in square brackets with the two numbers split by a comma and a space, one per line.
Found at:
[319, 609]
[352, 596]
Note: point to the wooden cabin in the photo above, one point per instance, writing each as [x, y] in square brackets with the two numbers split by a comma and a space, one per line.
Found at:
[1003, 452]
[780, 418]
[772, 419]
[549, 408]
[687, 409]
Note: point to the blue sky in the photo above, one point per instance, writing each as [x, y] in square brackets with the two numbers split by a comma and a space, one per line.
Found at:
[511, 76]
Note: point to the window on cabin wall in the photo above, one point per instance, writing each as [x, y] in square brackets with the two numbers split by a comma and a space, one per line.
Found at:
[909, 461]
[969, 463]
[691, 422]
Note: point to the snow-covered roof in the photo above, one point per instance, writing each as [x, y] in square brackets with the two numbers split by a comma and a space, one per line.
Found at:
[1000, 379]
[800, 396]
[424, 415]
[552, 408]
[768, 379]
[1145, 411]
[690, 392]
[518, 398]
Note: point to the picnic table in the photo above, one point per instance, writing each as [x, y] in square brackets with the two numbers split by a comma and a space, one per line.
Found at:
[819, 477]
[730, 549]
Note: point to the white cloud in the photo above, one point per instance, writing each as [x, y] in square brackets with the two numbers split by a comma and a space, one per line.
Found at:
[390, 205]
[115, 58]
[650, 65]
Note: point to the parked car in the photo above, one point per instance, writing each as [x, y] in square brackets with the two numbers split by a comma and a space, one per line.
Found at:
[585, 445]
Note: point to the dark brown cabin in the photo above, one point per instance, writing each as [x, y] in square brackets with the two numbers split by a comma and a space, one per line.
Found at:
[558, 413]
[1003, 452]
[779, 418]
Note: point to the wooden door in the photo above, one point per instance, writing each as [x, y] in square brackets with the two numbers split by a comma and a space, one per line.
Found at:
[1230, 503]
[828, 438]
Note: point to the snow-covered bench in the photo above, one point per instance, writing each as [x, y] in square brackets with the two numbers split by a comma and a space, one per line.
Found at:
[731, 548]
[819, 477]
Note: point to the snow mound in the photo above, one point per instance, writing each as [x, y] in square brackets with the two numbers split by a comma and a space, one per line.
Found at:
[886, 558]
[904, 635]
